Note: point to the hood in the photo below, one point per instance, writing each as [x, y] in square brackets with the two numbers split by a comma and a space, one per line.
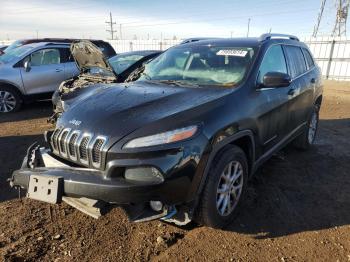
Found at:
[67, 99]
[88, 56]
[117, 110]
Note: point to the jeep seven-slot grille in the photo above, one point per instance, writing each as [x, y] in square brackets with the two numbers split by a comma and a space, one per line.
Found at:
[71, 145]
[61, 142]
[83, 152]
[55, 139]
[96, 149]
[79, 147]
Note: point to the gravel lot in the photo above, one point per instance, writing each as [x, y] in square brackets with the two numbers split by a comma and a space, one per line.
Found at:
[298, 207]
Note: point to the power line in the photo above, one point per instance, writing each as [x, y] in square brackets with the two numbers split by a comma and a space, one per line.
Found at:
[111, 25]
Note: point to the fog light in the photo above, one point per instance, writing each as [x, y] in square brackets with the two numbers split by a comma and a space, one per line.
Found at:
[144, 174]
[156, 205]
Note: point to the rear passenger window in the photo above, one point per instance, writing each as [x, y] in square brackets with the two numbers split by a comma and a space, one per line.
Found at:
[309, 60]
[295, 60]
[274, 61]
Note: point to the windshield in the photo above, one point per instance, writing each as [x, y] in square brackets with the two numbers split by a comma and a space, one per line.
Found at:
[201, 65]
[121, 62]
[13, 46]
[15, 53]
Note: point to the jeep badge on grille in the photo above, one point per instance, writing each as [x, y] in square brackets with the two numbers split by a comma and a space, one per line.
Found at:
[75, 122]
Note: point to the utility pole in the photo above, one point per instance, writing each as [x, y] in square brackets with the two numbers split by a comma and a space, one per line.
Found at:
[111, 25]
[319, 18]
[231, 33]
[37, 34]
[341, 18]
[248, 27]
[120, 32]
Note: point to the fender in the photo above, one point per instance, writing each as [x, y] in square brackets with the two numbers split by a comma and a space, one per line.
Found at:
[214, 151]
[8, 83]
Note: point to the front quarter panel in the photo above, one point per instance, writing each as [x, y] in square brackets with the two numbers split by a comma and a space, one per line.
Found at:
[11, 76]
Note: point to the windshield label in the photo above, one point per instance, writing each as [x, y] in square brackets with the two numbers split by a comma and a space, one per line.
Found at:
[232, 52]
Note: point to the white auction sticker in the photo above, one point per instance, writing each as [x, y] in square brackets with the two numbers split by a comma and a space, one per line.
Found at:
[232, 52]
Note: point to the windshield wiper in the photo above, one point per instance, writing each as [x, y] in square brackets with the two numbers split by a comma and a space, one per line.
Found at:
[136, 74]
[178, 83]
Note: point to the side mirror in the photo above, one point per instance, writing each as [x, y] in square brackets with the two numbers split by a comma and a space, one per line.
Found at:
[276, 79]
[26, 66]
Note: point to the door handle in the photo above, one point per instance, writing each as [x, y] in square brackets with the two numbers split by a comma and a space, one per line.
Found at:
[58, 70]
[313, 81]
[291, 92]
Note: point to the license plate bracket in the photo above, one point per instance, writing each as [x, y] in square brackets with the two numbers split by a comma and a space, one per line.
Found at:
[45, 188]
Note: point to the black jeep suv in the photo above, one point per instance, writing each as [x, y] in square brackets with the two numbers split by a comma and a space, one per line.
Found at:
[181, 142]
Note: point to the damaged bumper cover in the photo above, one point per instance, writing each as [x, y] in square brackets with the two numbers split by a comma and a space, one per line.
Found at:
[88, 183]
[93, 184]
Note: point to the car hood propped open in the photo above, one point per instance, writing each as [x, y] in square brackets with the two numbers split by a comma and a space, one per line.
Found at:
[87, 56]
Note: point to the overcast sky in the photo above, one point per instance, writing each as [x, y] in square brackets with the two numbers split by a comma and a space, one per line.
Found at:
[156, 18]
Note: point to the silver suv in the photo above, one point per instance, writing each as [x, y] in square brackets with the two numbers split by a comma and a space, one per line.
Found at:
[33, 71]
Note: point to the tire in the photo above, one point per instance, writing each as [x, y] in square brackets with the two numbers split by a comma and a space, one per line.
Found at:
[10, 99]
[306, 139]
[211, 212]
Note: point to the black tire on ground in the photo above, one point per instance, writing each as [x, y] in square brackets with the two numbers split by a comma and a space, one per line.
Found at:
[17, 99]
[306, 139]
[208, 212]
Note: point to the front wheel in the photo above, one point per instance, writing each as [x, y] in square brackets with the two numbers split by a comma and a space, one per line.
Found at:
[10, 100]
[224, 188]
[306, 139]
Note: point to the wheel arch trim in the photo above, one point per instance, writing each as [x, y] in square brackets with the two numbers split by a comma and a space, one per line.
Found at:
[11, 84]
[216, 148]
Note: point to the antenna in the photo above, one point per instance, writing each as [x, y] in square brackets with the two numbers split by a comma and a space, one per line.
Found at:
[342, 7]
[319, 18]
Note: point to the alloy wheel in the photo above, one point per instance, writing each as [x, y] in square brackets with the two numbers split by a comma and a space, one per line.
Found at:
[7, 102]
[229, 188]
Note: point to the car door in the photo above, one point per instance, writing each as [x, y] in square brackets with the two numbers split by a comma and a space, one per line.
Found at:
[70, 67]
[272, 103]
[43, 72]
[301, 89]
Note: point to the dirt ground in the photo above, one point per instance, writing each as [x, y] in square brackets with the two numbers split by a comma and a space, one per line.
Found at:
[298, 207]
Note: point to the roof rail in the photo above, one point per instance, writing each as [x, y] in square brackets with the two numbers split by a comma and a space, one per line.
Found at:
[269, 36]
[196, 39]
[57, 43]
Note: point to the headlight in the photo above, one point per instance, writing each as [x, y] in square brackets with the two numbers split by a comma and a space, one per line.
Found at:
[163, 138]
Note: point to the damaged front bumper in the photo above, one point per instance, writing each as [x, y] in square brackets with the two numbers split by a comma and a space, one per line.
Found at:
[47, 179]
[84, 182]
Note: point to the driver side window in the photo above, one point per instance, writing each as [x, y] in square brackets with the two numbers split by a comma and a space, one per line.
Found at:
[274, 61]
